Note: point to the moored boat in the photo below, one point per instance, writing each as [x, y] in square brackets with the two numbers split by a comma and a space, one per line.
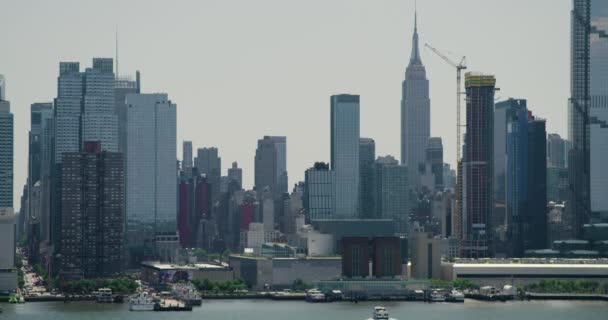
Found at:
[437, 296]
[104, 295]
[141, 302]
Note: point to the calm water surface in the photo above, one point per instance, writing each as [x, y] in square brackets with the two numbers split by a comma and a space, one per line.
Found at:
[299, 310]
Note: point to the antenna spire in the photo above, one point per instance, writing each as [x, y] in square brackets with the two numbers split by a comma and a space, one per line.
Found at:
[415, 16]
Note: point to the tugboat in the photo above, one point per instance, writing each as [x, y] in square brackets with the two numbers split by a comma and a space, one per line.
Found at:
[437, 296]
[141, 302]
[104, 295]
[380, 313]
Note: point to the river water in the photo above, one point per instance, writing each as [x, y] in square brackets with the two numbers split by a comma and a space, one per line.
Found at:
[299, 310]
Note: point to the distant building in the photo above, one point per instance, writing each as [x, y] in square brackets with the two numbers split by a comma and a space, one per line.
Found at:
[209, 163]
[6, 155]
[151, 188]
[392, 192]
[425, 256]
[271, 165]
[345, 155]
[280, 273]
[478, 161]
[157, 275]
[92, 213]
[434, 157]
[415, 114]
[187, 157]
[8, 272]
[557, 153]
[383, 252]
[319, 192]
[236, 174]
[557, 184]
[367, 156]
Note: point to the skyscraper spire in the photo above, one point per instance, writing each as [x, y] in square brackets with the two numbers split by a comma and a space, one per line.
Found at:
[415, 56]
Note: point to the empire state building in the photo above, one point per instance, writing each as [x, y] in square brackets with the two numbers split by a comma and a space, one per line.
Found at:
[415, 114]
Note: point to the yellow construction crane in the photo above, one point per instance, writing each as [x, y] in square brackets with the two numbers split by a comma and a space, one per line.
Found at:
[459, 67]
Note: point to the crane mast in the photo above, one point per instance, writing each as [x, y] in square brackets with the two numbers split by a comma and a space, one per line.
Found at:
[459, 67]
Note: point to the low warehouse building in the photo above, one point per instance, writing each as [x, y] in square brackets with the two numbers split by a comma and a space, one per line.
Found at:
[282, 272]
[159, 274]
[500, 274]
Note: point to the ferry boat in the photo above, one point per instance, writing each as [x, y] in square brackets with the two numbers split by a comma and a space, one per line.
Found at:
[437, 296]
[455, 296]
[104, 295]
[141, 302]
[380, 313]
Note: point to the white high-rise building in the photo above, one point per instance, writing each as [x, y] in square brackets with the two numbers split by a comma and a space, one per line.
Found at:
[151, 165]
[415, 114]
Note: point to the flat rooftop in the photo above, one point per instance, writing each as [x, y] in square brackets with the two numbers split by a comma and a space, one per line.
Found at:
[170, 266]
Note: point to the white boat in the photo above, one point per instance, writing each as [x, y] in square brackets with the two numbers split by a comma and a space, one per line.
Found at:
[314, 295]
[380, 313]
[141, 302]
[104, 295]
[456, 296]
[187, 293]
[437, 296]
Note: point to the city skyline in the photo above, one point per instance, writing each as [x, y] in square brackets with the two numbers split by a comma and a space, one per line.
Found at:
[357, 73]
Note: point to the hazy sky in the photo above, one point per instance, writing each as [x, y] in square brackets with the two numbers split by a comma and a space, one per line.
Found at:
[238, 70]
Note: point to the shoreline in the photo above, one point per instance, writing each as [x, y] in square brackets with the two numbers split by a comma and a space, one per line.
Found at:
[266, 296]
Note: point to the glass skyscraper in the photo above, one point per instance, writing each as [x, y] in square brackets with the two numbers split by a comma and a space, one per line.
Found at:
[151, 187]
[345, 155]
[588, 111]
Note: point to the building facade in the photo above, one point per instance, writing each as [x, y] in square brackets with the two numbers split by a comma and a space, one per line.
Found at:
[392, 193]
[93, 213]
[6, 155]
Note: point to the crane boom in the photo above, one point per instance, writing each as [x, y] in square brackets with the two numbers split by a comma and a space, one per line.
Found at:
[459, 67]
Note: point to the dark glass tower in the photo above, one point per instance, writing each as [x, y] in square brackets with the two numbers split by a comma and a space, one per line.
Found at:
[478, 162]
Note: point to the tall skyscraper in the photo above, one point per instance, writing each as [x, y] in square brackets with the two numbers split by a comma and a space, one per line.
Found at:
[587, 111]
[525, 180]
[151, 187]
[236, 174]
[99, 118]
[271, 165]
[504, 111]
[209, 163]
[92, 213]
[6, 155]
[392, 192]
[415, 114]
[187, 157]
[122, 87]
[68, 109]
[478, 161]
[345, 154]
[367, 156]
